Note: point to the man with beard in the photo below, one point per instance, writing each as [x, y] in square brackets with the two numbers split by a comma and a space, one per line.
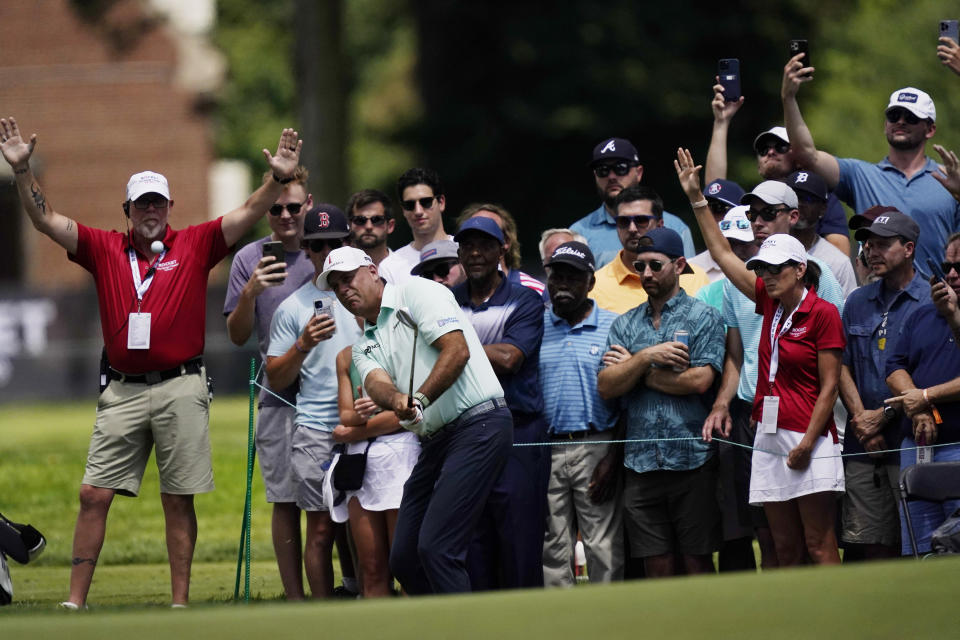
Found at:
[619, 285]
[665, 378]
[906, 179]
[616, 166]
[371, 221]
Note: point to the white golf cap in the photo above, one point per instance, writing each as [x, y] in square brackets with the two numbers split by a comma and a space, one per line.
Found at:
[779, 248]
[777, 132]
[772, 192]
[147, 182]
[342, 259]
[736, 225]
[917, 102]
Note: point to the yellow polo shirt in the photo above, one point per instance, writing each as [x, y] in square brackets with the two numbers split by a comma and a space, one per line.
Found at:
[618, 289]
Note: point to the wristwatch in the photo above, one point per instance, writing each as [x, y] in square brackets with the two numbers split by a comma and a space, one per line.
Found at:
[422, 399]
[889, 413]
[282, 180]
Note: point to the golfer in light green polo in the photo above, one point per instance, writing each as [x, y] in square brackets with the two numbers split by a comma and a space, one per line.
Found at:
[457, 409]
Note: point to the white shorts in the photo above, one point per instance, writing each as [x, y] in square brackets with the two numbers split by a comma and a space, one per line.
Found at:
[390, 461]
[771, 480]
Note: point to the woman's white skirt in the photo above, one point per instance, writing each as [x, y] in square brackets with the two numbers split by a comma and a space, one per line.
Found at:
[771, 480]
[390, 460]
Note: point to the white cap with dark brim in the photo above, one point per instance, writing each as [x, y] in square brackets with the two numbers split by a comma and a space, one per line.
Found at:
[342, 259]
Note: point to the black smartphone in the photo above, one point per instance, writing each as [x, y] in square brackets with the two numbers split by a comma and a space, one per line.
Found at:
[936, 270]
[728, 69]
[950, 29]
[801, 46]
[275, 249]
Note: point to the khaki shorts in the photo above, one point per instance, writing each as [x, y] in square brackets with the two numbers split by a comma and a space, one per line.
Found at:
[870, 512]
[310, 457]
[274, 435]
[131, 418]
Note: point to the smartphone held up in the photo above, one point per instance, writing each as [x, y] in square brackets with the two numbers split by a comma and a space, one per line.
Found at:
[728, 70]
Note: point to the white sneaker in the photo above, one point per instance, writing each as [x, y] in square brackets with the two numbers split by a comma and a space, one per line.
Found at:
[176, 605]
[70, 606]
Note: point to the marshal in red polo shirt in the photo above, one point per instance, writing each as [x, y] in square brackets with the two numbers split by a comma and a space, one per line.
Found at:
[816, 326]
[176, 299]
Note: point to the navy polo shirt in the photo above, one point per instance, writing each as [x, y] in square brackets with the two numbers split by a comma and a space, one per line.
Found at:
[927, 351]
[872, 324]
[513, 315]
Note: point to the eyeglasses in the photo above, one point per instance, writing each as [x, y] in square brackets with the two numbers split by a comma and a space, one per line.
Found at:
[377, 221]
[144, 202]
[317, 245]
[655, 265]
[739, 223]
[894, 115]
[947, 266]
[425, 203]
[641, 222]
[620, 168]
[769, 214]
[292, 207]
[772, 269]
[779, 146]
[439, 270]
[718, 207]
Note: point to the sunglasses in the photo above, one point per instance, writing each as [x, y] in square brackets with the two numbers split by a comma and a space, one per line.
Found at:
[440, 270]
[641, 222]
[159, 202]
[740, 223]
[318, 245]
[425, 203]
[769, 214]
[947, 266]
[292, 207]
[655, 265]
[772, 269]
[603, 170]
[894, 115]
[718, 207]
[377, 221]
[779, 146]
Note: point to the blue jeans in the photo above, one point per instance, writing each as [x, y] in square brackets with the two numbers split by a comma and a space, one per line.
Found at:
[442, 502]
[925, 516]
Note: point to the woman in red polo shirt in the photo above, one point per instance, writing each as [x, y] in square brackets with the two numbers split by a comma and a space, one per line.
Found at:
[796, 469]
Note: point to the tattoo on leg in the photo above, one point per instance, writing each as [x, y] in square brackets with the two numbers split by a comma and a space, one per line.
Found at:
[38, 198]
[90, 561]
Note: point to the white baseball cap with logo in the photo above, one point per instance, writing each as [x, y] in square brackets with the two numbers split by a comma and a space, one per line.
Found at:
[778, 249]
[772, 192]
[917, 102]
[342, 259]
[777, 132]
[147, 182]
[736, 225]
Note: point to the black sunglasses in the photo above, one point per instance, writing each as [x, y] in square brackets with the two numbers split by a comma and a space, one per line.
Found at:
[719, 207]
[641, 222]
[894, 115]
[440, 270]
[947, 266]
[144, 202]
[655, 265]
[620, 168]
[361, 221]
[292, 207]
[772, 269]
[410, 205]
[317, 245]
[769, 214]
[779, 146]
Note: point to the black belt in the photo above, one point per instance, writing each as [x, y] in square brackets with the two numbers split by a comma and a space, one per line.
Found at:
[574, 435]
[472, 412]
[156, 377]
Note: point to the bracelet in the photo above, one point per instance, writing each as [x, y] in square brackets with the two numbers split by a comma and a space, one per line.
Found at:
[700, 204]
[422, 399]
[926, 398]
[282, 180]
[296, 345]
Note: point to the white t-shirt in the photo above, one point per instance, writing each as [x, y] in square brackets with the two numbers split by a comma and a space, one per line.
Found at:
[396, 267]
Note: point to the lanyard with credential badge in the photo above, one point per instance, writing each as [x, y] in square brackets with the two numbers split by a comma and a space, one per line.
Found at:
[775, 337]
[138, 327]
[142, 287]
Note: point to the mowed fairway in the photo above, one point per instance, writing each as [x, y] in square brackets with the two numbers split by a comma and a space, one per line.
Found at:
[42, 452]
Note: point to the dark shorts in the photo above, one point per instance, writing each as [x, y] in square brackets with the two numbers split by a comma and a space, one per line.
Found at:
[672, 511]
[742, 433]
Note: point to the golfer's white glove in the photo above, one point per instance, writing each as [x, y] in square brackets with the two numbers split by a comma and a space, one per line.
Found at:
[417, 419]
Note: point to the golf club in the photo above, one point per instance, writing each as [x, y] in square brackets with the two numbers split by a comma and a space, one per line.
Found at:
[403, 315]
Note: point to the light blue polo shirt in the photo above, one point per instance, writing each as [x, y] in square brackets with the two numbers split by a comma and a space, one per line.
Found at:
[317, 398]
[600, 230]
[570, 358]
[741, 312]
[863, 185]
[388, 345]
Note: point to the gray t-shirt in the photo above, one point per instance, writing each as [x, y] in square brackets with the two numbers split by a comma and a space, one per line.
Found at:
[299, 271]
